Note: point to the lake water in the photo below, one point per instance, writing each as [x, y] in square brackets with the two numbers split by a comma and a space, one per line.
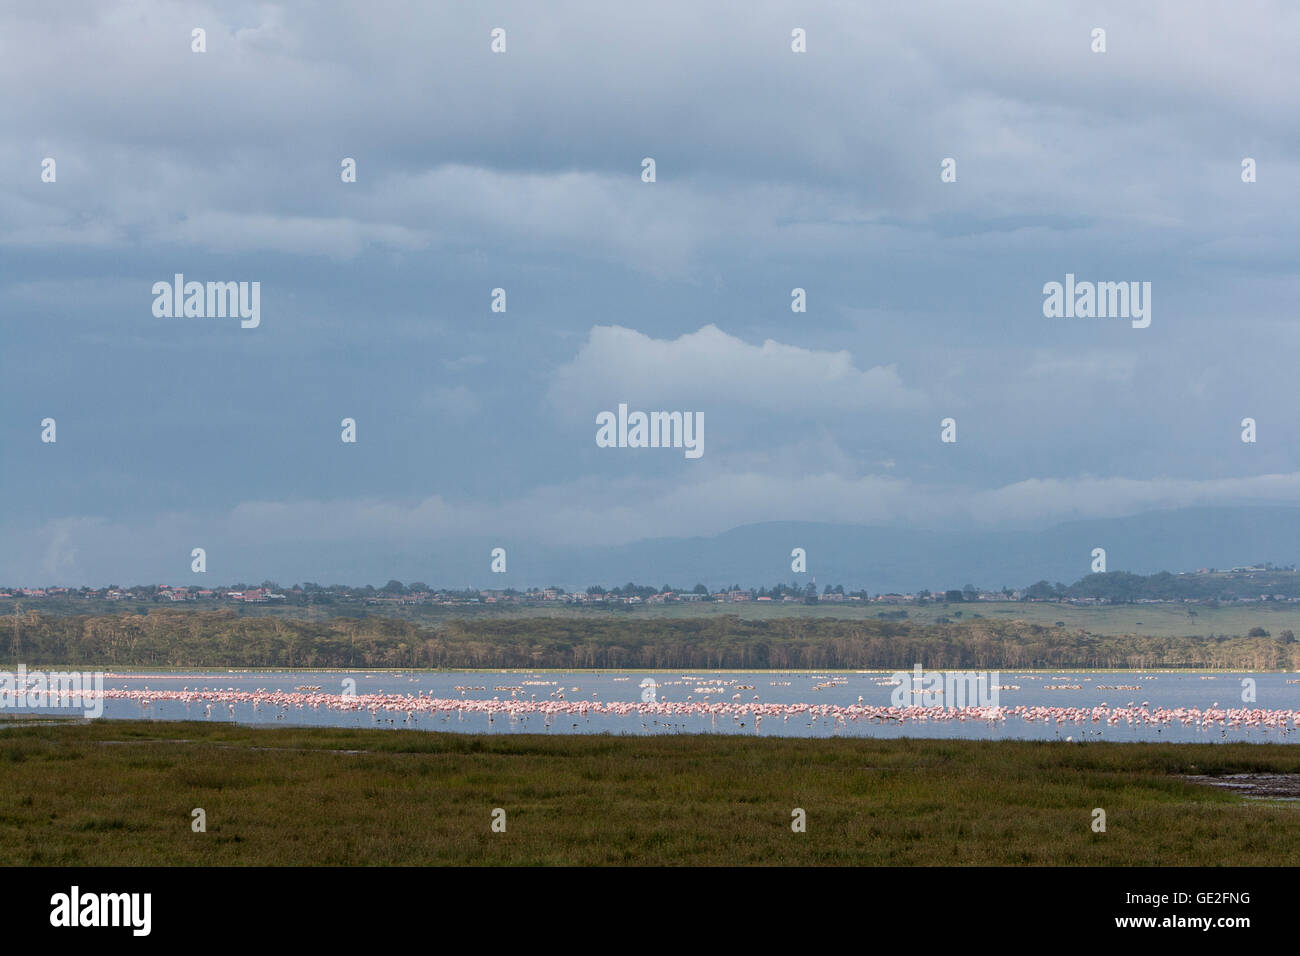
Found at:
[1080, 705]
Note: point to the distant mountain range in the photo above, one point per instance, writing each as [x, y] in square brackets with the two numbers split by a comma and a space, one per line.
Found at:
[860, 557]
[882, 559]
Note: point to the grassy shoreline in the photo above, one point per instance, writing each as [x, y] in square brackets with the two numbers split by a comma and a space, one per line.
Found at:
[122, 793]
[169, 669]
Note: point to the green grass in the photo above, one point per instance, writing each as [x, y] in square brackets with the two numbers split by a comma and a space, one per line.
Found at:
[1154, 620]
[121, 793]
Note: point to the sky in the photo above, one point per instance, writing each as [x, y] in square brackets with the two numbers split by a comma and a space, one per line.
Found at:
[522, 170]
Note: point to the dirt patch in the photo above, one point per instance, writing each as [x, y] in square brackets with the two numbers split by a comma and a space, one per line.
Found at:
[1258, 786]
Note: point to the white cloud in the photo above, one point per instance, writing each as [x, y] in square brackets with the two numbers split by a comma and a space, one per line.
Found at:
[457, 402]
[710, 367]
[339, 238]
[1089, 365]
[1037, 500]
[59, 561]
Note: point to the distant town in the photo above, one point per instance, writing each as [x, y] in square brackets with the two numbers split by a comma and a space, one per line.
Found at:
[396, 593]
[1211, 586]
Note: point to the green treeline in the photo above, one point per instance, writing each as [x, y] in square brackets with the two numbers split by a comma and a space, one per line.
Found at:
[176, 638]
[1122, 587]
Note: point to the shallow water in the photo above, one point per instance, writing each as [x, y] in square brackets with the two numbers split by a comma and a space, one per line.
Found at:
[1078, 705]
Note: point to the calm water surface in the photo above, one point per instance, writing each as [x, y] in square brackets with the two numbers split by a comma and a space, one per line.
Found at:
[1062, 690]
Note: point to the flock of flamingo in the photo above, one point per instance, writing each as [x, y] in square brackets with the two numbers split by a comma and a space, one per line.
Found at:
[556, 707]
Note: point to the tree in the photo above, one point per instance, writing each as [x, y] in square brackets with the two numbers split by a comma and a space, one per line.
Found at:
[1038, 591]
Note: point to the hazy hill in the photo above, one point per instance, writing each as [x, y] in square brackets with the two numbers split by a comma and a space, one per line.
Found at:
[894, 559]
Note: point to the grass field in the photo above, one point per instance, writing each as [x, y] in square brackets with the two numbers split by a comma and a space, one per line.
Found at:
[1156, 620]
[122, 793]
